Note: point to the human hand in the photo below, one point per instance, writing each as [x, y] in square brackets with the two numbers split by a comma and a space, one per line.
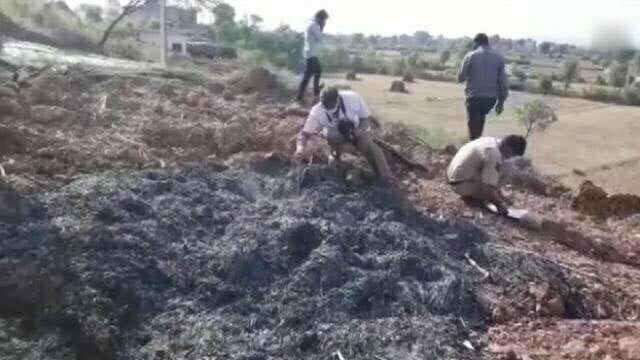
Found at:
[502, 210]
[499, 108]
[300, 155]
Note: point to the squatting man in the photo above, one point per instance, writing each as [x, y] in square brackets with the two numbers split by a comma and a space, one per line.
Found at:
[477, 168]
[343, 118]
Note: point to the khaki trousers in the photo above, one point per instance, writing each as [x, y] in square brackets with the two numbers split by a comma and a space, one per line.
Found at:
[364, 145]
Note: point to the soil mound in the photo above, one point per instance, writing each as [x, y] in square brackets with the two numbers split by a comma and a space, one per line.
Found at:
[398, 86]
[593, 200]
[257, 80]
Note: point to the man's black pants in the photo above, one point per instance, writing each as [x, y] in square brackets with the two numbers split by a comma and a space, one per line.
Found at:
[477, 110]
[314, 69]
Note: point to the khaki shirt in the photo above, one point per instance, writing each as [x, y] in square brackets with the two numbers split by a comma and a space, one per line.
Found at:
[479, 161]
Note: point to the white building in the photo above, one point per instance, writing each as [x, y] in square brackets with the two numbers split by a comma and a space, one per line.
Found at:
[177, 38]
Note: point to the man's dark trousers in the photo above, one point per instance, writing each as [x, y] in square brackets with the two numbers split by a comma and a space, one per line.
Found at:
[314, 69]
[477, 110]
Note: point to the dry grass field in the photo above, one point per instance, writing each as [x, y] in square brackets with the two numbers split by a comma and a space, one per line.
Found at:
[599, 139]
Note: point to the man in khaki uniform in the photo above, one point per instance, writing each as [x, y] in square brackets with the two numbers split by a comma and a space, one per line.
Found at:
[343, 118]
[475, 171]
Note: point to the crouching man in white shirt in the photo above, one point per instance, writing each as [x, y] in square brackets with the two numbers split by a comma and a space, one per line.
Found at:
[343, 118]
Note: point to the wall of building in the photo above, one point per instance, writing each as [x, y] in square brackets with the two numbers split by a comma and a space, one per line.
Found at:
[177, 39]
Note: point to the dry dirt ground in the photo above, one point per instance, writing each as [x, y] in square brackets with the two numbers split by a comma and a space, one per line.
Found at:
[603, 137]
[160, 217]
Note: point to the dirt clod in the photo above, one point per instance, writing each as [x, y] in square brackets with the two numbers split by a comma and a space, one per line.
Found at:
[593, 200]
[398, 86]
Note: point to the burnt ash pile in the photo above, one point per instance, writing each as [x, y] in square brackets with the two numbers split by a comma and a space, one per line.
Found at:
[242, 263]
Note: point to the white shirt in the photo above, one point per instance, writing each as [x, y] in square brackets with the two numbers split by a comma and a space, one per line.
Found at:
[312, 40]
[319, 119]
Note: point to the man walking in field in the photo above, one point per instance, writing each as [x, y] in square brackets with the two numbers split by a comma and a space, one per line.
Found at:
[343, 118]
[475, 171]
[312, 43]
[483, 70]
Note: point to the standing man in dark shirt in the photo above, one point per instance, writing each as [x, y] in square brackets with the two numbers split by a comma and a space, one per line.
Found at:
[483, 70]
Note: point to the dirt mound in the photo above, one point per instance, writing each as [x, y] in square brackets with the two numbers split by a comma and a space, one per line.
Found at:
[593, 200]
[221, 262]
[257, 80]
[398, 86]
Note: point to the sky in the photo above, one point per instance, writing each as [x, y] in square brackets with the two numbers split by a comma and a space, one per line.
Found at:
[573, 21]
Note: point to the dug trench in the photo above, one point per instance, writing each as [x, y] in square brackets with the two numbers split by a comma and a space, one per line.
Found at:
[255, 261]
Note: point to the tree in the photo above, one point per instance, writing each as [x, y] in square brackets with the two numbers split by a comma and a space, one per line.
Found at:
[518, 73]
[399, 67]
[617, 74]
[445, 55]
[536, 116]
[421, 38]
[255, 21]
[224, 13]
[633, 68]
[546, 85]
[358, 40]
[545, 47]
[228, 32]
[357, 64]
[570, 72]
[413, 59]
[131, 7]
[373, 40]
[91, 13]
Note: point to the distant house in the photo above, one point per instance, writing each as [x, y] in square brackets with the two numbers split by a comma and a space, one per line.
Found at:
[182, 26]
[177, 38]
[149, 16]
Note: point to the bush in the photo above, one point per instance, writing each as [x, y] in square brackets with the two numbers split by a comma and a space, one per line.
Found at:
[600, 80]
[536, 116]
[435, 66]
[283, 47]
[617, 74]
[383, 70]
[631, 95]
[399, 67]
[335, 59]
[435, 76]
[357, 64]
[444, 56]
[570, 72]
[518, 73]
[546, 85]
[601, 94]
[125, 49]
[518, 61]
